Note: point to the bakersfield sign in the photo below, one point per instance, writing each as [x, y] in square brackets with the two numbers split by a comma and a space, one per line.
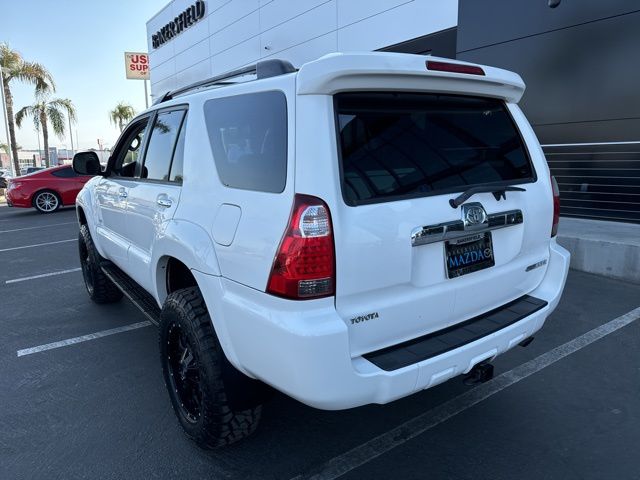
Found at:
[184, 20]
[136, 65]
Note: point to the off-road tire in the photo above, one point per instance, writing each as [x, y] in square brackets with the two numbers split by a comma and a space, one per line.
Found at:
[99, 287]
[216, 424]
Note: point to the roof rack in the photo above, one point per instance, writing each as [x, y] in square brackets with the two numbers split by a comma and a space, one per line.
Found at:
[262, 69]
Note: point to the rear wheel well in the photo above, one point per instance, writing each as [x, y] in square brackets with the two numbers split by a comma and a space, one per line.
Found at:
[178, 276]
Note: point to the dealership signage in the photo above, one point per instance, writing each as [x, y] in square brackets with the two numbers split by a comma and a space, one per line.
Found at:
[136, 65]
[175, 27]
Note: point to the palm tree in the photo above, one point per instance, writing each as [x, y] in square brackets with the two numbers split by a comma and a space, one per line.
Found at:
[121, 115]
[14, 67]
[45, 111]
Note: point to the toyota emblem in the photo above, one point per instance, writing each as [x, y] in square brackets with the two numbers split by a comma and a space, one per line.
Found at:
[473, 214]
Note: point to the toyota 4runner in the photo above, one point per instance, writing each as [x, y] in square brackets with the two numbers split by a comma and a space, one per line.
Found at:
[351, 232]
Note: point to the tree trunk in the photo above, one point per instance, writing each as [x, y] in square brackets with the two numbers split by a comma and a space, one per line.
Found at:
[120, 124]
[45, 137]
[12, 127]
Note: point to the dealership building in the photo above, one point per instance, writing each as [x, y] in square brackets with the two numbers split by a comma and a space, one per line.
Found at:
[578, 59]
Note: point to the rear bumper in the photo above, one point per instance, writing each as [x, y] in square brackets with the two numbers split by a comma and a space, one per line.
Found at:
[14, 199]
[305, 353]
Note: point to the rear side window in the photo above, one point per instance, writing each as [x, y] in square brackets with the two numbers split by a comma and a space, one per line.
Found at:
[157, 159]
[64, 173]
[404, 145]
[178, 156]
[248, 135]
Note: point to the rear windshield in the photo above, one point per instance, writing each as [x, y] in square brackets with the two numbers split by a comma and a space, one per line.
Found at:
[403, 145]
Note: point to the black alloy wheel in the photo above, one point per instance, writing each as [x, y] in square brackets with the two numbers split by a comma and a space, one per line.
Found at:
[192, 366]
[99, 287]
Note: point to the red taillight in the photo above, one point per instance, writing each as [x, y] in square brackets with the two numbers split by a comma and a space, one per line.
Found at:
[304, 265]
[556, 207]
[454, 67]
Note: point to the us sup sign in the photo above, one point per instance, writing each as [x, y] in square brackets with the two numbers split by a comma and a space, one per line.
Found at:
[136, 65]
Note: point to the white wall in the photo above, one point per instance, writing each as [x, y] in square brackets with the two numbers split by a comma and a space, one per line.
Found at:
[238, 32]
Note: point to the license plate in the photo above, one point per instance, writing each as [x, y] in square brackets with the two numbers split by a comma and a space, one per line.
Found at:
[468, 254]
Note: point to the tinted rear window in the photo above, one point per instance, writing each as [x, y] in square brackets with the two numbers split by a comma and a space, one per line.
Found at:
[157, 161]
[64, 173]
[248, 135]
[402, 145]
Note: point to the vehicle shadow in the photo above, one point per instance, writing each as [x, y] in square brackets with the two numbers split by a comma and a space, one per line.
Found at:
[293, 438]
[10, 213]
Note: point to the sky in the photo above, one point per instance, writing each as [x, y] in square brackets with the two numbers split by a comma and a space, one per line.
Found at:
[82, 44]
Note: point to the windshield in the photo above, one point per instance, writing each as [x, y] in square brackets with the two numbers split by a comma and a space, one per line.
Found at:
[403, 145]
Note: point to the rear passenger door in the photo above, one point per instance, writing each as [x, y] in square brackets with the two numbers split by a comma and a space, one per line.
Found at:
[154, 198]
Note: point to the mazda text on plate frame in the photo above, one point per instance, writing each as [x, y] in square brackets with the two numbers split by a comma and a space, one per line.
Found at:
[375, 224]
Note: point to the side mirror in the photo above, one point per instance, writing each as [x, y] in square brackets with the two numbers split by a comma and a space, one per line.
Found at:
[87, 163]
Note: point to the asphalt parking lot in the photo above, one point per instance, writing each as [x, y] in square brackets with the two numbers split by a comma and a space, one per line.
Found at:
[567, 406]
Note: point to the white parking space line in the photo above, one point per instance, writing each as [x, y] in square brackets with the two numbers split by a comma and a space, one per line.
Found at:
[381, 444]
[83, 338]
[37, 245]
[52, 274]
[40, 226]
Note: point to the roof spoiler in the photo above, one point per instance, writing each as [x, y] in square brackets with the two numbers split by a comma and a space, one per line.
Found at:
[384, 71]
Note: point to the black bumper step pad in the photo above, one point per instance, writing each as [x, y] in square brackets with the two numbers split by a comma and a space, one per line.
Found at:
[134, 292]
[437, 343]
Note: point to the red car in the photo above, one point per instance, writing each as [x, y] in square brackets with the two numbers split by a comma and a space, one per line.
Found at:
[46, 190]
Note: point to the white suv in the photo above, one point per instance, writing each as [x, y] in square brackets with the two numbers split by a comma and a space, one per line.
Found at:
[351, 232]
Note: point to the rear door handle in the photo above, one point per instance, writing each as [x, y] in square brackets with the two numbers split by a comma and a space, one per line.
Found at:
[164, 201]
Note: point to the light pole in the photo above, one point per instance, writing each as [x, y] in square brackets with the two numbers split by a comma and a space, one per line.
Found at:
[6, 124]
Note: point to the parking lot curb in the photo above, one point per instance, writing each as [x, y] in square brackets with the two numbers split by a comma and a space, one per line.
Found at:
[611, 249]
